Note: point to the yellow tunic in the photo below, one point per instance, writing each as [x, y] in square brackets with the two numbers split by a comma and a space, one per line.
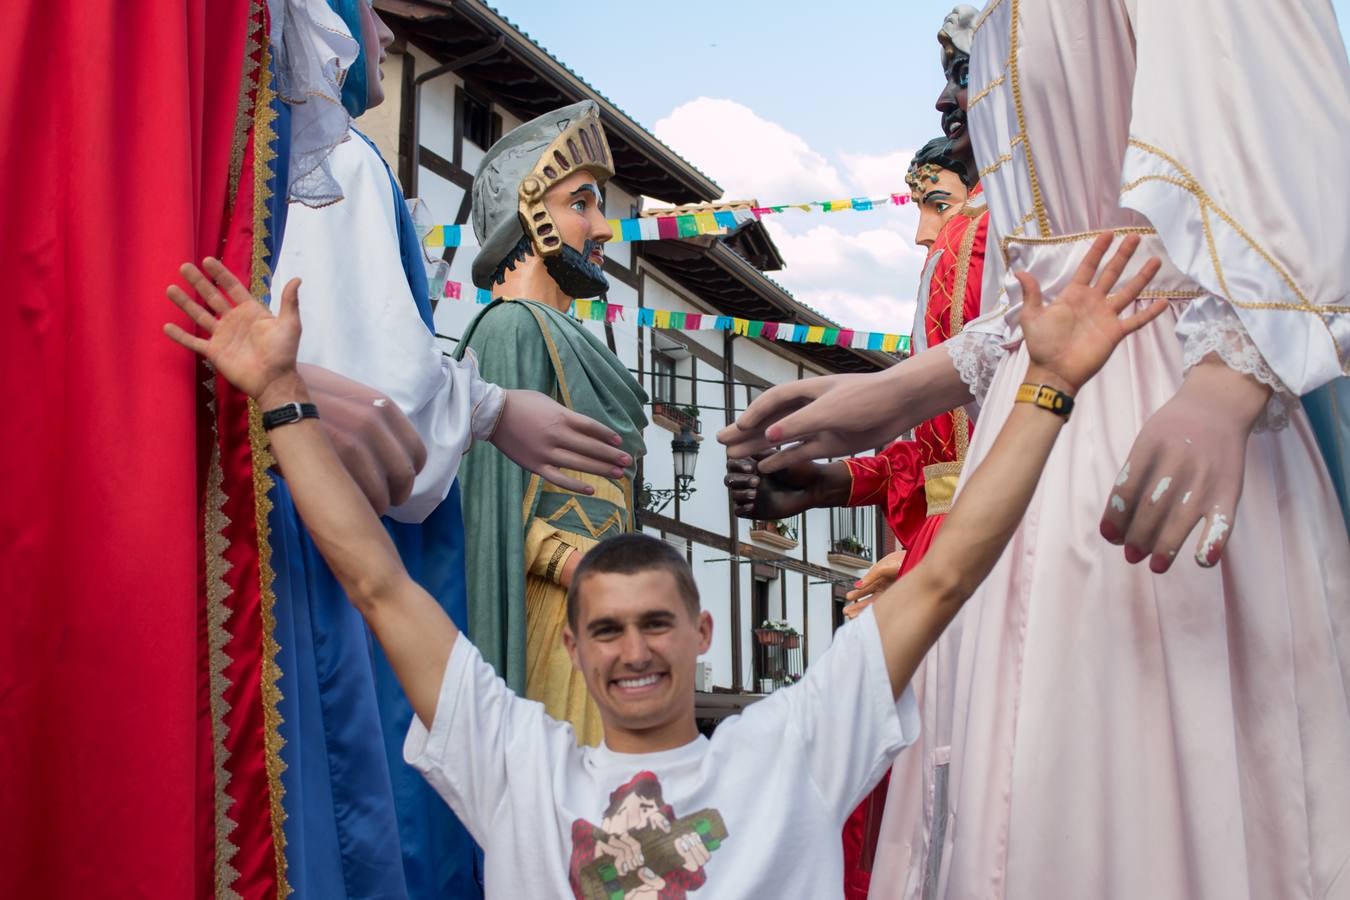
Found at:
[550, 677]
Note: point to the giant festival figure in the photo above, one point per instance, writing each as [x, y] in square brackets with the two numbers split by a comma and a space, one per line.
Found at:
[1226, 676]
[538, 214]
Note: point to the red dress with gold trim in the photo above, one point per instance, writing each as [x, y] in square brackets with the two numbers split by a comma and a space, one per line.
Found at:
[913, 481]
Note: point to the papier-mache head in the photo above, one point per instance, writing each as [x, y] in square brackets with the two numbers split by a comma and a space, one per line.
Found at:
[957, 32]
[516, 173]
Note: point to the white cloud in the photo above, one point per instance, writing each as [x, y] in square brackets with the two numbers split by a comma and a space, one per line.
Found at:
[868, 312]
[865, 279]
[877, 175]
[750, 157]
[859, 268]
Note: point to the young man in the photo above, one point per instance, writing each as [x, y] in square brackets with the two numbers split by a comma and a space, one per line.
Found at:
[753, 825]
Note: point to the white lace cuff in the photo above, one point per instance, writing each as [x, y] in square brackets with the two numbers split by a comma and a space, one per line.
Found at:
[976, 356]
[1225, 337]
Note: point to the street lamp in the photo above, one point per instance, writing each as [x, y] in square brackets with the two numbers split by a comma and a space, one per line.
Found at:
[684, 454]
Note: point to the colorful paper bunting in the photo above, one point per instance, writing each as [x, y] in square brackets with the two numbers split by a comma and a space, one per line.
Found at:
[665, 228]
[679, 320]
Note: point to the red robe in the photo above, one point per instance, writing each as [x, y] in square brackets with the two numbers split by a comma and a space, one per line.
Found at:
[131, 150]
[913, 480]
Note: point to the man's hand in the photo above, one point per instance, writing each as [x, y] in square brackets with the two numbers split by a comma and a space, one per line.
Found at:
[624, 849]
[1186, 466]
[250, 347]
[1070, 339]
[778, 496]
[373, 438]
[652, 886]
[882, 575]
[541, 435]
[692, 851]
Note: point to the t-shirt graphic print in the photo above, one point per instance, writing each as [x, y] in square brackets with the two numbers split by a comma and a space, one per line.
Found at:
[640, 849]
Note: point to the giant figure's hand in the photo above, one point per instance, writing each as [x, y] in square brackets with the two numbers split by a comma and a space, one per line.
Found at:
[541, 435]
[824, 413]
[373, 438]
[873, 584]
[783, 494]
[1186, 466]
[837, 415]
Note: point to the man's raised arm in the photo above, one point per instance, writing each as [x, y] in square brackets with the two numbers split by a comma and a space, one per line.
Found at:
[1068, 341]
[255, 351]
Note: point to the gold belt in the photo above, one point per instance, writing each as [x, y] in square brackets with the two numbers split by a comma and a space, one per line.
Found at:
[939, 486]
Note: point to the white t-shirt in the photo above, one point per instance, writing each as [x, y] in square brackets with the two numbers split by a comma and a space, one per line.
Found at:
[767, 796]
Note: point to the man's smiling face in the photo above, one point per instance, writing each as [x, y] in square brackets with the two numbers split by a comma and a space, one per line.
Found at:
[636, 641]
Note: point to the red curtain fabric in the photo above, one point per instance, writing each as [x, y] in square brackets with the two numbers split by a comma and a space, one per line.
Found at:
[121, 122]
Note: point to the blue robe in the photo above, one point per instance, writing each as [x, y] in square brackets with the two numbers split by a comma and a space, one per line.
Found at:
[360, 822]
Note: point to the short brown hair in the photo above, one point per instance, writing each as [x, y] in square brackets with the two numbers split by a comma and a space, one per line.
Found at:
[629, 554]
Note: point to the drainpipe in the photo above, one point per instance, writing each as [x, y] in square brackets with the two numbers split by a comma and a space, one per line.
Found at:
[476, 56]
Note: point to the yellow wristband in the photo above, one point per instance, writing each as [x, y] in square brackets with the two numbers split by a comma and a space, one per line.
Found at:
[1046, 397]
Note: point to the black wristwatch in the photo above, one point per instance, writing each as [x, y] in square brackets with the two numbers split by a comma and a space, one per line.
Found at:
[291, 412]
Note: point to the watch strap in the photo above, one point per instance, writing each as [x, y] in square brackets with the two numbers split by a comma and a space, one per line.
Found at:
[1046, 397]
[288, 413]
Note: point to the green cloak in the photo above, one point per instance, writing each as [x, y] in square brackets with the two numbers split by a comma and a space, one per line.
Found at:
[530, 345]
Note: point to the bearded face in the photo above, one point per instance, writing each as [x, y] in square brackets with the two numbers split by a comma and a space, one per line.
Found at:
[579, 272]
[577, 208]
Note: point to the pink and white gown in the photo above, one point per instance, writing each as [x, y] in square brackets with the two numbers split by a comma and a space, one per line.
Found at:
[1105, 732]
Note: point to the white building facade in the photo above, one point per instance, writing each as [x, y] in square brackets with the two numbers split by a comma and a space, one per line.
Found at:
[458, 78]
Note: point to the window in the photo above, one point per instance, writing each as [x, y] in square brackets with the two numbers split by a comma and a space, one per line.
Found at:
[839, 595]
[476, 121]
[852, 530]
[777, 657]
[663, 378]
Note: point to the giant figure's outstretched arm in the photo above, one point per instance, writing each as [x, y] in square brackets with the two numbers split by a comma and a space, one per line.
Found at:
[836, 415]
[1068, 341]
[255, 351]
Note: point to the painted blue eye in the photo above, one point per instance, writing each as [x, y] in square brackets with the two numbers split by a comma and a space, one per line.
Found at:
[964, 79]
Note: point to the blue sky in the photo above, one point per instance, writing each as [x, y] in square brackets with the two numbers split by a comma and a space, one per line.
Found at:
[782, 102]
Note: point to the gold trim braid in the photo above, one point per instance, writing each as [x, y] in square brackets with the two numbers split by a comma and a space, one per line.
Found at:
[264, 135]
[939, 486]
[1038, 202]
[960, 421]
[218, 613]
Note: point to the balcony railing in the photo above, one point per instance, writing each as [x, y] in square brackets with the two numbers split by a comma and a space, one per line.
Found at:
[675, 417]
[780, 533]
[778, 656]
